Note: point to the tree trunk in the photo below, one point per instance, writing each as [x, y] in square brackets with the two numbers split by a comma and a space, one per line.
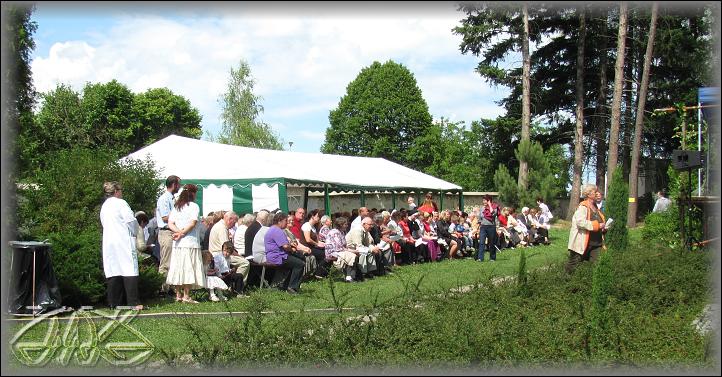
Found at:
[525, 97]
[601, 112]
[579, 134]
[641, 102]
[617, 97]
[626, 125]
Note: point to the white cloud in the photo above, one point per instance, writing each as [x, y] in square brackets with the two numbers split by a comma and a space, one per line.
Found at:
[69, 62]
[302, 62]
[314, 136]
[303, 109]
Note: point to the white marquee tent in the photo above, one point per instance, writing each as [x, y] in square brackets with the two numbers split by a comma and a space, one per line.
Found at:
[248, 179]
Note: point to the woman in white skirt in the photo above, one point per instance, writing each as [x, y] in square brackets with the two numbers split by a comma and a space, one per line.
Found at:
[186, 264]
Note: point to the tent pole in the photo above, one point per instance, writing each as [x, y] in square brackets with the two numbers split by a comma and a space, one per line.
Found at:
[393, 199]
[199, 199]
[363, 198]
[283, 196]
[461, 200]
[305, 198]
[418, 199]
[441, 200]
[326, 200]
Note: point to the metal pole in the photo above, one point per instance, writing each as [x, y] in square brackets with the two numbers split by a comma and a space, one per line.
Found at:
[461, 200]
[441, 200]
[363, 198]
[699, 147]
[305, 198]
[326, 200]
[689, 211]
[393, 199]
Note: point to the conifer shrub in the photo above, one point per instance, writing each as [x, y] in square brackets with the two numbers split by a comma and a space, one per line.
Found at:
[542, 181]
[617, 202]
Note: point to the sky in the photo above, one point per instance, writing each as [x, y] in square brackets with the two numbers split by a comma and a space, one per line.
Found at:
[301, 56]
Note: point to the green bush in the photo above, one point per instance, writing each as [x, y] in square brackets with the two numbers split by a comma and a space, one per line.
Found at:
[77, 261]
[663, 227]
[522, 275]
[149, 281]
[640, 302]
[63, 204]
[602, 285]
[616, 206]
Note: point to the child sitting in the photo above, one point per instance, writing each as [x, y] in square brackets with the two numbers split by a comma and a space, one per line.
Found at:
[214, 283]
[232, 278]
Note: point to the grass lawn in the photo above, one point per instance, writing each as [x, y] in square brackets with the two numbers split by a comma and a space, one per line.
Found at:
[431, 277]
[413, 313]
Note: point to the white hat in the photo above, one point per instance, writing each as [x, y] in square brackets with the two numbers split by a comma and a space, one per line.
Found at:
[524, 209]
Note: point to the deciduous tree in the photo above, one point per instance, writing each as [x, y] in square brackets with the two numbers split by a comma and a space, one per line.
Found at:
[241, 111]
[382, 115]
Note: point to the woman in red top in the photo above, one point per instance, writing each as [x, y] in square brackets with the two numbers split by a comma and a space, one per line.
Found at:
[502, 235]
[407, 242]
[429, 238]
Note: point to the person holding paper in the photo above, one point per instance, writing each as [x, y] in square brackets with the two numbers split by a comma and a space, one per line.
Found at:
[586, 236]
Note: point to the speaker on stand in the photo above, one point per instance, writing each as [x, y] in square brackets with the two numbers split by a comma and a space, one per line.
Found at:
[686, 161]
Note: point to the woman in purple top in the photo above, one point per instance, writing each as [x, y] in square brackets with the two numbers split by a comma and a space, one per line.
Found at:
[277, 250]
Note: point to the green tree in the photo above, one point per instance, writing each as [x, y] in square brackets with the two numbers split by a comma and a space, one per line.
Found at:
[241, 111]
[448, 151]
[632, 215]
[107, 115]
[543, 182]
[59, 125]
[18, 90]
[383, 114]
[682, 60]
[107, 110]
[158, 113]
[500, 29]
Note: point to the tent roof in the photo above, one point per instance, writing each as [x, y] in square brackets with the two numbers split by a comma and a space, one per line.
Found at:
[195, 160]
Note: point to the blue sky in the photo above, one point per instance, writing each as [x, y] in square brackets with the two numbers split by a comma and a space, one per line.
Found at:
[302, 56]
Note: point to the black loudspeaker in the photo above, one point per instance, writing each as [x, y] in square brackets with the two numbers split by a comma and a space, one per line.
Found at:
[686, 160]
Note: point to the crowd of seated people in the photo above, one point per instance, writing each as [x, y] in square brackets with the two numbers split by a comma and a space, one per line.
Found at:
[297, 246]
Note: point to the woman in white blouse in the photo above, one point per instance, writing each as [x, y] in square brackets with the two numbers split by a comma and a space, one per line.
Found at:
[186, 263]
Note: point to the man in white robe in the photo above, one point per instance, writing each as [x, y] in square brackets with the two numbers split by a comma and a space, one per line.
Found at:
[120, 260]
